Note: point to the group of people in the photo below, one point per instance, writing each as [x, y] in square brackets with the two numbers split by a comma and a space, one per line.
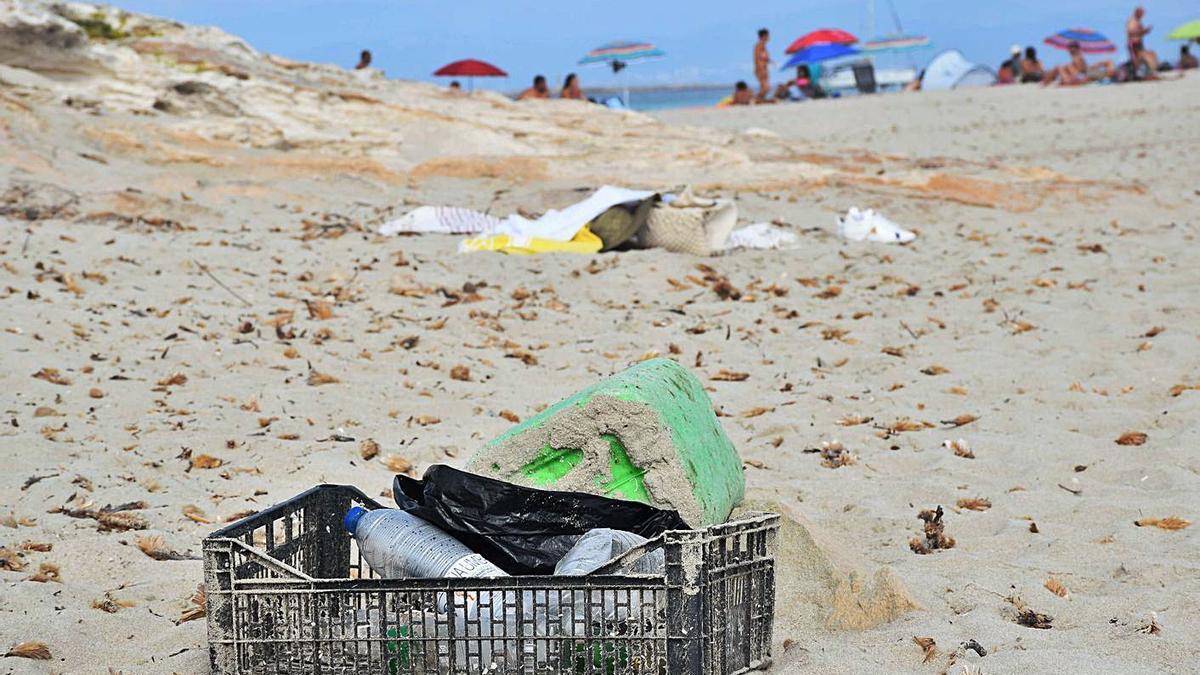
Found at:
[1023, 65]
[1143, 63]
[804, 85]
[540, 90]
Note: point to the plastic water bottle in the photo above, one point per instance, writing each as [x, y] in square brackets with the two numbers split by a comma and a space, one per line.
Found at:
[594, 549]
[397, 544]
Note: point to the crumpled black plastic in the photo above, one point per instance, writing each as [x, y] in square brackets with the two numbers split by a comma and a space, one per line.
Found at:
[521, 530]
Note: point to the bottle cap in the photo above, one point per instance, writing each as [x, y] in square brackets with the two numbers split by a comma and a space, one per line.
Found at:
[350, 522]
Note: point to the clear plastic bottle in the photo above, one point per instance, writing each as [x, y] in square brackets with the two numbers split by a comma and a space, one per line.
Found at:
[397, 544]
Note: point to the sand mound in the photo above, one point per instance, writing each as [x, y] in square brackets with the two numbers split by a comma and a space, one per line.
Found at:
[818, 584]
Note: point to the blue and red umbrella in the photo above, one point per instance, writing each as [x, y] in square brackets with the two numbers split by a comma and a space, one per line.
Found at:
[820, 52]
[1090, 41]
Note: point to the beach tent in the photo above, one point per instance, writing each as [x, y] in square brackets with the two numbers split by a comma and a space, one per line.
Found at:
[951, 70]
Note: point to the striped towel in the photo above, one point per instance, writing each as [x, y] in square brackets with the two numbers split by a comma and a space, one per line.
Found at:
[441, 220]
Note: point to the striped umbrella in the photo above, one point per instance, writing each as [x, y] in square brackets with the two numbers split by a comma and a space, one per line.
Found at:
[618, 54]
[622, 51]
[894, 43]
[1090, 41]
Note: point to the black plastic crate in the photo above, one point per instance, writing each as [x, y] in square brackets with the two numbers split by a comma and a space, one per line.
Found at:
[288, 592]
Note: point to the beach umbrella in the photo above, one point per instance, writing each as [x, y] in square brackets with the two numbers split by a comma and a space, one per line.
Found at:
[1090, 41]
[618, 54]
[621, 51]
[894, 43]
[832, 36]
[1188, 31]
[470, 69]
[818, 53]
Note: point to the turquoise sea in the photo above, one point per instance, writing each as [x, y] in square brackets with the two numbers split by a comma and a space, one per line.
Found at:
[669, 97]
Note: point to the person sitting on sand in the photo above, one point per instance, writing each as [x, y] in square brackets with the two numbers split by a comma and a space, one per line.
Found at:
[1135, 37]
[1010, 70]
[1078, 72]
[1031, 68]
[539, 90]
[742, 94]
[807, 83]
[1187, 60]
[570, 88]
[364, 60]
[455, 87]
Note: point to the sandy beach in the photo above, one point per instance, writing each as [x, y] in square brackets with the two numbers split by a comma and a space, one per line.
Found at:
[195, 306]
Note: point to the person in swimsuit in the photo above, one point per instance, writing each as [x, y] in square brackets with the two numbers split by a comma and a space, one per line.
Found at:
[539, 90]
[570, 88]
[1031, 68]
[742, 94]
[1078, 72]
[1135, 40]
[1187, 60]
[762, 61]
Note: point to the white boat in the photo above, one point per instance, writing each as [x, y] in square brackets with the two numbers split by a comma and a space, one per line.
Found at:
[841, 79]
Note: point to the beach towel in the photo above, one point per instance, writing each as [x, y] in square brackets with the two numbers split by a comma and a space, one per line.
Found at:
[584, 241]
[441, 220]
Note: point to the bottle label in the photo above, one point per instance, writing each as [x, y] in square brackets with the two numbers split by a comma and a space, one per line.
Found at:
[473, 565]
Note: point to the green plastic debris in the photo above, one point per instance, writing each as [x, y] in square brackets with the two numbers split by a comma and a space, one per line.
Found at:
[646, 434]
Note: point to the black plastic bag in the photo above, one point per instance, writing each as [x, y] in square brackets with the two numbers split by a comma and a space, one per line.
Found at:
[521, 530]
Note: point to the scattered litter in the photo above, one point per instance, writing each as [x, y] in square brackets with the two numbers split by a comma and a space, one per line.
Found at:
[869, 225]
[762, 236]
[974, 646]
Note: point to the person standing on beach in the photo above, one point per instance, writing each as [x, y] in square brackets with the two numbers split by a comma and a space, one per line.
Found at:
[364, 60]
[539, 90]
[762, 61]
[1135, 39]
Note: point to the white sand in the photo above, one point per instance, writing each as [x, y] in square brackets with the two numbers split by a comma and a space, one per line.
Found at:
[1004, 187]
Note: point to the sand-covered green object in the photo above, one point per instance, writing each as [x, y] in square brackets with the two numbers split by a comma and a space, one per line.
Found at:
[646, 434]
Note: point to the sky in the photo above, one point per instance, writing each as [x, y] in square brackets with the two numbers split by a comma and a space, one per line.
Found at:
[706, 41]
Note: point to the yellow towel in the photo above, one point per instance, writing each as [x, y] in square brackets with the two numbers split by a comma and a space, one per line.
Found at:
[583, 242]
